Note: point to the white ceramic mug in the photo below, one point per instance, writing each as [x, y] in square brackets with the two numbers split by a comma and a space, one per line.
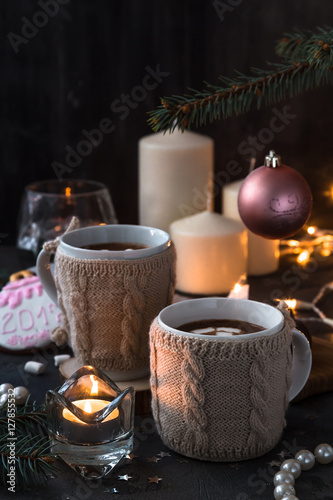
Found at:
[110, 297]
[258, 313]
[71, 244]
[223, 398]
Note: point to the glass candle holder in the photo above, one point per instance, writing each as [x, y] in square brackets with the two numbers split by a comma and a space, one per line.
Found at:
[91, 421]
[47, 208]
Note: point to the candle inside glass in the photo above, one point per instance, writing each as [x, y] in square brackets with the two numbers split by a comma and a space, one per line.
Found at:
[91, 422]
[80, 431]
[89, 406]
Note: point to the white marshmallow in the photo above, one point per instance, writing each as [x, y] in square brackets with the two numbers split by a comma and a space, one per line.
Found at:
[34, 367]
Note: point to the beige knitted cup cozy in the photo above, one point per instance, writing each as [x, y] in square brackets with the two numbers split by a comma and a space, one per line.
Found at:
[220, 400]
[108, 306]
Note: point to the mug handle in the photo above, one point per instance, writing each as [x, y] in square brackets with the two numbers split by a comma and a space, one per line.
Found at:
[45, 275]
[302, 362]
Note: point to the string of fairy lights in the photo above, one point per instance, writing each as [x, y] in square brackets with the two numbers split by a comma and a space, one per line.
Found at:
[316, 242]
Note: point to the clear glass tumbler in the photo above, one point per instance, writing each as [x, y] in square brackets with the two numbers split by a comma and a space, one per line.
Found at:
[91, 422]
[48, 206]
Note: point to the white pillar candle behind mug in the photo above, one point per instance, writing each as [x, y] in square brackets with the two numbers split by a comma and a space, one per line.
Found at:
[174, 176]
[211, 253]
[263, 254]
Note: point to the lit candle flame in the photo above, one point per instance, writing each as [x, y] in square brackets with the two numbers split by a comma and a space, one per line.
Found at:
[241, 289]
[303, 257]
[311, 230]
[291, 303]
[87, 407]
[237, 288]
[68, 191]
[94, 388]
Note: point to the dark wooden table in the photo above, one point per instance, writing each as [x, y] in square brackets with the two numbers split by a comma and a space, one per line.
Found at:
[156, 472]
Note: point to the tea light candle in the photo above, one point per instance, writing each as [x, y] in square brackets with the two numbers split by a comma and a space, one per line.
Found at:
[89, 406]
[175, 172]
[91, 422]
[263, 254]
[81, 432]
[211, 253]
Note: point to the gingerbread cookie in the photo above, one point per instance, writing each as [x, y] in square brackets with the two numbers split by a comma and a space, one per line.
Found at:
[27, 315]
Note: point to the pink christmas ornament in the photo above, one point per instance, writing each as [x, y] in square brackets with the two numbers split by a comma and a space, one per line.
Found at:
[275, 201]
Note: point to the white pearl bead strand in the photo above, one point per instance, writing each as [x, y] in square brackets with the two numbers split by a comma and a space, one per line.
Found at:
[291, 469]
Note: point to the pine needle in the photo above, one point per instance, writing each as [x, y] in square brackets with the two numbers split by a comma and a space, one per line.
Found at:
[307, 62]
[33, 456]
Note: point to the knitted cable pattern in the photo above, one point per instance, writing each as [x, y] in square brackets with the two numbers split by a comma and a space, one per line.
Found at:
[220, 400]
[193, 373]
[133, 306]
[258, 396]
[79, 306]
[108, 306]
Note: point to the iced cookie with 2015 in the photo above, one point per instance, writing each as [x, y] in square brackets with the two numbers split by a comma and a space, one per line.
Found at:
[27, 315]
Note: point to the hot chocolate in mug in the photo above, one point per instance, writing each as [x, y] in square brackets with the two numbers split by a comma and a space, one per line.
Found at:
[223, 397]
[110, 281]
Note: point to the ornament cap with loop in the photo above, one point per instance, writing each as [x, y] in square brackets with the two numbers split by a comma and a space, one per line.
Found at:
[272, 159]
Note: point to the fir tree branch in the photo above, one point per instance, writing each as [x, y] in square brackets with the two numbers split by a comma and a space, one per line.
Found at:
[316, 48]
[33, 456]
[312, 67]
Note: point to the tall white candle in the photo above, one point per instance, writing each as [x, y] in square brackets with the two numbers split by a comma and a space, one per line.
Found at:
[175, 173]
[211, 253]
[263, 254]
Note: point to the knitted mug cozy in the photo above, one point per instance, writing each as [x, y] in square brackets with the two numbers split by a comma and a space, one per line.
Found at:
[220, 400]
[108, 306]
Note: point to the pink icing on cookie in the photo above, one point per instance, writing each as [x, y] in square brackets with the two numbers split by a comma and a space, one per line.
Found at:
[27, 315]
[28, 340]
[13, 293]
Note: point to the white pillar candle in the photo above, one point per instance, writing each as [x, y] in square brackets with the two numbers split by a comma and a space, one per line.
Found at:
[211, 253]
[175, 172]
[263, 254]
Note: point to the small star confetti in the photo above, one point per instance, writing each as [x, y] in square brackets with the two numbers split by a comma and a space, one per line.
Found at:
[112, 490]
[182, 461]
[274, 463]
[130, 456]
[164, 454]
[126, 477]
[154, 479]
[153, 459]
[284, 454]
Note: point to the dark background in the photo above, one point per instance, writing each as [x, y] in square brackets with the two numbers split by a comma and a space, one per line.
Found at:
[66, 77]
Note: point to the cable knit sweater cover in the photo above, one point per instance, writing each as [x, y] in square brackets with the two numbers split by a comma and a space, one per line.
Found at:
[220, 400]
[108, 306]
